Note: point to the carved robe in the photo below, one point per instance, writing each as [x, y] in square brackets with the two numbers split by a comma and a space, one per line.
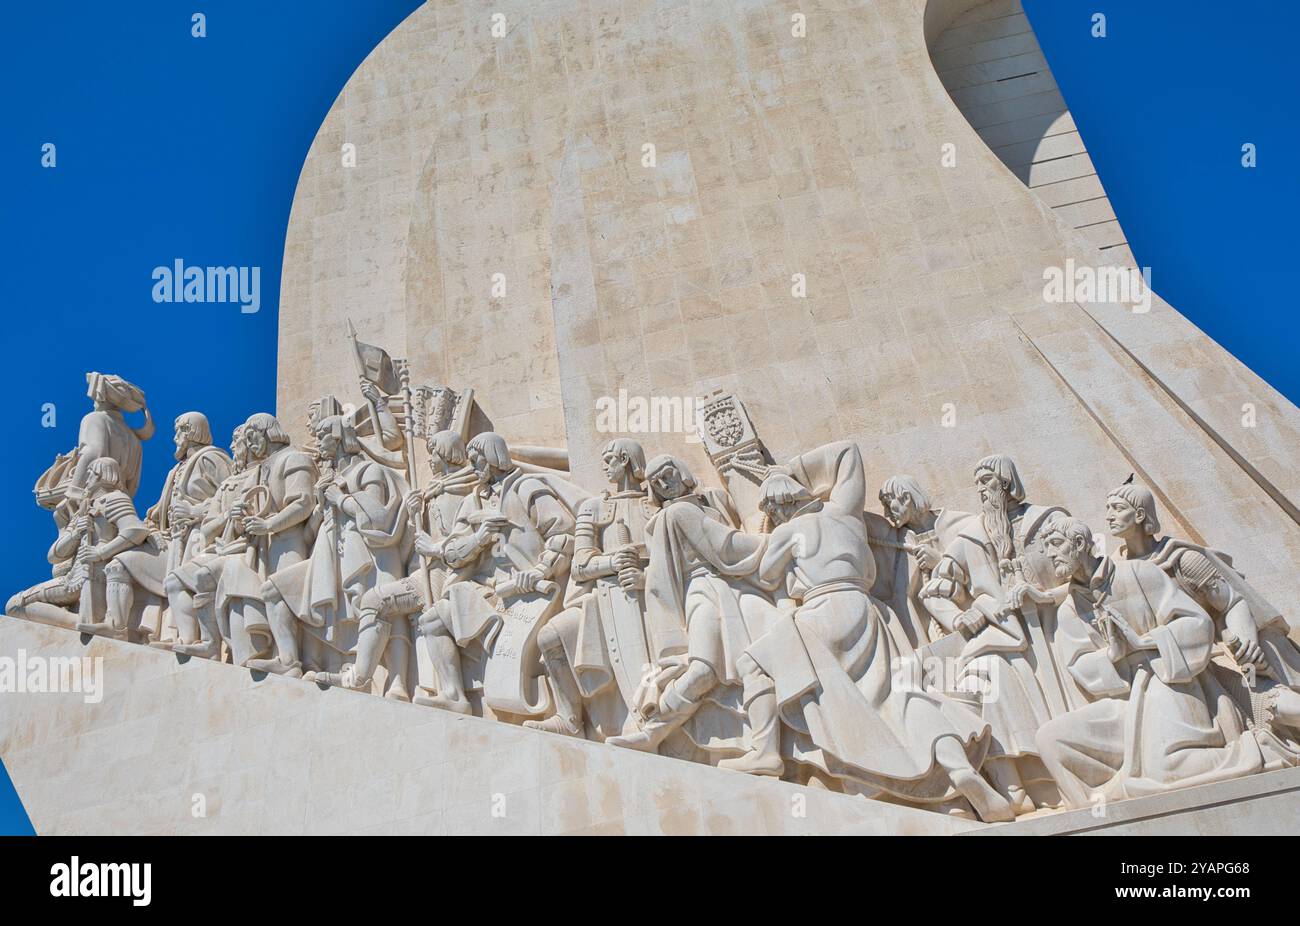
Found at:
[1012, 659]
[540, 536]
[365, 544]
[700, 605]
[1158, 719]
[899, 578]
[194, 479]
[833, 659]
[105, 433]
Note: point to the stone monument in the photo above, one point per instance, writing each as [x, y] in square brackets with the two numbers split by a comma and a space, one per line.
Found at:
[438, 593]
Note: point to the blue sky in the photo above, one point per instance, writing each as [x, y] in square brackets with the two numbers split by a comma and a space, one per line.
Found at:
[169, 146]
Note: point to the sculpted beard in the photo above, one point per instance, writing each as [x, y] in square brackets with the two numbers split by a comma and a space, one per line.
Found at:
[996, 522]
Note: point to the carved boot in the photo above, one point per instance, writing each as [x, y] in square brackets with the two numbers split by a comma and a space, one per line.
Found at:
[344, 679]
[274, 666]
[764, 755]
[567, 719]
[674, 710]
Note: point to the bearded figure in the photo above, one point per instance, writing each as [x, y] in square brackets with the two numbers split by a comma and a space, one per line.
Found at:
[997, 576]
[200, 469]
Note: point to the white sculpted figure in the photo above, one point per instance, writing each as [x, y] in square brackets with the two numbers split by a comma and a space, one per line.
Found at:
[702, 612]
[434, 509]
[368, 545]
[509, 552]
[1140, 648]
[200, 468]
[196, 592]
[833, 662]
[596, 649]
[105, 433]
[994, 572]
[906, 555]
[276, 515]
[1253, 630]
[116, 546]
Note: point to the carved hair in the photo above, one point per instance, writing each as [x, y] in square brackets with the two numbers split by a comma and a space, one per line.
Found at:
[269, 426]
[1002, 466]
[449, 446]
[493, 448]
[898, 485]
[683, 472]
[197, 422]
[632, 452]
[1140, 497]
[1072, 529]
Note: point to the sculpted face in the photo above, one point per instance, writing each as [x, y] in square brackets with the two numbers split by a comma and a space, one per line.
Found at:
[1121, 517]
[257, 443]
[239, 449]
[667, 483]
[329, 443]
[992, 491]
[181, 436]
[479, 462]
[614, 464]
[1067, 559]
[898, 508]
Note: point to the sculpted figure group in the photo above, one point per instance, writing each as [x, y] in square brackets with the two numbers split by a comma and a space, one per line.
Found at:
[987, 664]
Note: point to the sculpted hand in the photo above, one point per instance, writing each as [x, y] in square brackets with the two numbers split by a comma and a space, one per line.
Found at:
[1248, 653]
[525, 581]
[97, 553]
[425, 545]
[370, 391]
[81, 524]
[927, 557]
[626, 558]
[258, 527]
[970, 622]
[415, 502]
[334, 496]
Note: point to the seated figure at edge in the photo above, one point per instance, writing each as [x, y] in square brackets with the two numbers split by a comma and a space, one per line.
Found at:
[1140, 649]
